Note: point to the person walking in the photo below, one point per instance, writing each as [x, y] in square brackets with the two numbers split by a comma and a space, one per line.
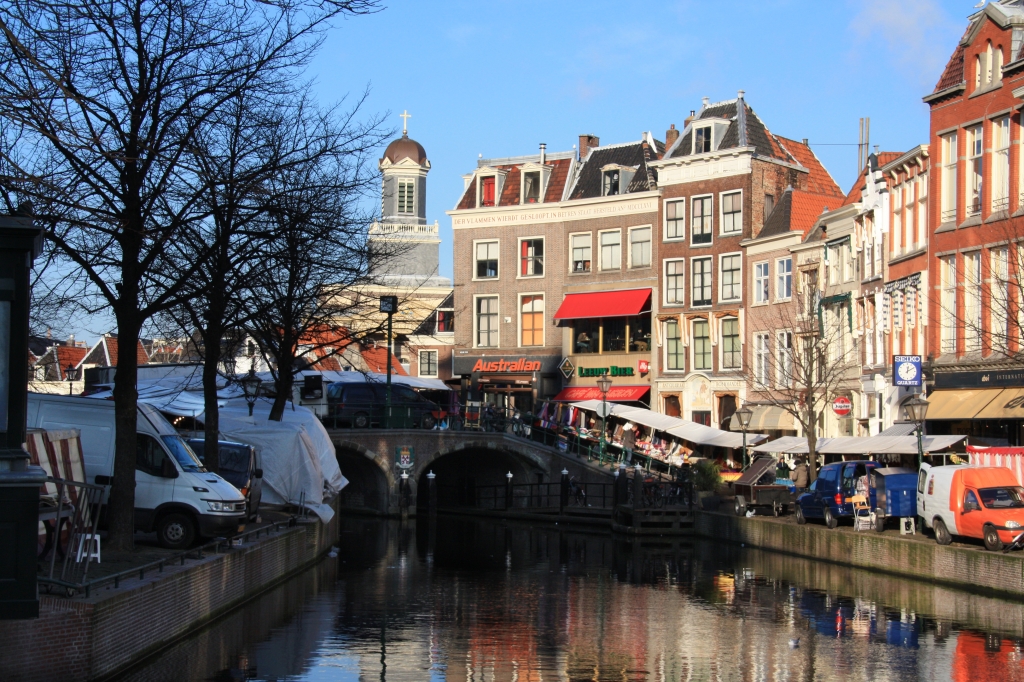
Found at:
[801, 476]
[628, 442]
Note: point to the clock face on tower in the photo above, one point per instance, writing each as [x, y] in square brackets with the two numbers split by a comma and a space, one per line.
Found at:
[907, 371]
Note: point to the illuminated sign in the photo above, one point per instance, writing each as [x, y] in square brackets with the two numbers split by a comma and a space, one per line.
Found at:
[612, 371]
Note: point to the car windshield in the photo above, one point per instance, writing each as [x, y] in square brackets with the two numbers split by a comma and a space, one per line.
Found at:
[1002, 498]
[183, 454]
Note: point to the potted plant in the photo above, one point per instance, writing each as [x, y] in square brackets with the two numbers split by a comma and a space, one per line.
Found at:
[707, 477]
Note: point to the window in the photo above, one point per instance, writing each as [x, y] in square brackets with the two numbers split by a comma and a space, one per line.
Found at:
[149, 456]
[1000, 298]
[732, 287]
[732, 212]
[610, 186]
[947, 271]
[588, 334]
[910, 205]
[487, 186]
[613, 338]
[784, 278]
[896, 240]
[785, 359]
[760, 282]
[406, 196]
[486, 260]
[675, 213]
[445, 321]
[869, 263]
[769, 205]
[610, 249]
[832, 254]
[580, 244]
[640, 247]
[972, 301]
[762, 349]
[701, 345]
[730, 343]
[675, 283]
[975, 172]
[1001, 164]
[948, 178]
[702, 140]
[428, 363]
[847, 262]
[487, 322]
[531, 257]
[531, 319]
[701, 281]
[701, 228]
[531, 187]
[674, 351]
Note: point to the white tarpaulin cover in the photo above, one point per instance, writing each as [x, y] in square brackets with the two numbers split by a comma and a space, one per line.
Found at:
[790, 445]
[895, 445]
[674, 426]
[1011, 458]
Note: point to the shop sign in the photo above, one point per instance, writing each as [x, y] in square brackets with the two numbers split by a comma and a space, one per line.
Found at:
[842, 406]
[404, 458]
[567, 368]
[499, 364]
[906, 370]
[996, 378]
[612, 371]
[644, 366]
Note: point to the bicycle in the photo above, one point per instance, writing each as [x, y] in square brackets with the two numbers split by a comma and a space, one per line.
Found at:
[577, 495]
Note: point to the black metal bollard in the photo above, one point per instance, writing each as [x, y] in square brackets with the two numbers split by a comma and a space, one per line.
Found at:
[431, 494]
[563, 497]
[621, 485]
[508, 490]
[638, 486]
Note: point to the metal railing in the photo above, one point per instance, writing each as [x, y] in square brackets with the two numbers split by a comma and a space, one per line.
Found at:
[948, 215]
[526, 496]
[70, 519]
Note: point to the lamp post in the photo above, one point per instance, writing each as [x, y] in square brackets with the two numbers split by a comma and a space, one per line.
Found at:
[744, 414]
[251, 387]
[389, 305]
[71, 374]
[917, 410]
[604, 383]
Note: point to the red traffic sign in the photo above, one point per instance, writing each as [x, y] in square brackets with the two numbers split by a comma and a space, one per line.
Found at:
[842, 406]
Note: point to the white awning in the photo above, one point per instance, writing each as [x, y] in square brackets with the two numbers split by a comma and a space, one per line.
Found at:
[896, 445]
[674, 426]
[789, 445]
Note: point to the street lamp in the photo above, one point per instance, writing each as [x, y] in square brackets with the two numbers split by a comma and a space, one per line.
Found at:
[389, 305]
[744, 414]
[71, 374]
[251, 387]
[917, 410]
[604, 383]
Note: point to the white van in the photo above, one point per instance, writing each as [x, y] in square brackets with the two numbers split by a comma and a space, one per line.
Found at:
[174, 494]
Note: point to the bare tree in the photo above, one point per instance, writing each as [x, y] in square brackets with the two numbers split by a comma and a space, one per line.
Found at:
[108, 96]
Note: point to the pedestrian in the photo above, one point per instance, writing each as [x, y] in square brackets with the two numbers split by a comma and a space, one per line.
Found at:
[628, 442]
[782, 469]
[801, 476]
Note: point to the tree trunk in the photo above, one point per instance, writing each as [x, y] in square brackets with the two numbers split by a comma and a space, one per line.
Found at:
[812, 445]
[284, 389]
[211, 411]
[121, 508]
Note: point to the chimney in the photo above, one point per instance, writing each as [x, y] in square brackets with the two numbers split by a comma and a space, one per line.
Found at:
[805, 142]
[705, 101]
[689, 118]
[71, 340]
[586, 142]
[740, 93]
[671, 135]
[543, 153]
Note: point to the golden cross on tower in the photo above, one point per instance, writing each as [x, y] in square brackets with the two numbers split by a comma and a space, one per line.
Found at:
[405, 116]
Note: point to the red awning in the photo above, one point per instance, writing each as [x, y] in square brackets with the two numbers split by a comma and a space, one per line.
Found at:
[616, 394]
[604, 304]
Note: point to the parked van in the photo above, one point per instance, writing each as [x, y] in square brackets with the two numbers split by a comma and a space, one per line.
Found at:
[363, 404]
[240, 466]
[975, 502]
[836, 483]
[174, 494]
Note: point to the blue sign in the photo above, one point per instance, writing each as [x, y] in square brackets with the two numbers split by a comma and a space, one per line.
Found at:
[906, 370]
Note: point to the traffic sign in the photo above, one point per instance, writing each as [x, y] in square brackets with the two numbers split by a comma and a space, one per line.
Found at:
[842, 406]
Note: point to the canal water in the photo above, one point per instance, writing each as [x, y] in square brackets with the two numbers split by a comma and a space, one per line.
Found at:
[468, 599]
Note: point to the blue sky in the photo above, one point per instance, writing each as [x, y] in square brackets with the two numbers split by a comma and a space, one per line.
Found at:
[497, 78]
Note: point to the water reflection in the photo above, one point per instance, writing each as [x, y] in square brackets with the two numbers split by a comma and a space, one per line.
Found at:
[480, 600]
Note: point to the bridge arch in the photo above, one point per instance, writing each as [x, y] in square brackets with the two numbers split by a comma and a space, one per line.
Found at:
[371, 480]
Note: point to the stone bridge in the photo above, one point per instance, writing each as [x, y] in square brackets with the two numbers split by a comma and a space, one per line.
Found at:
[459, 459]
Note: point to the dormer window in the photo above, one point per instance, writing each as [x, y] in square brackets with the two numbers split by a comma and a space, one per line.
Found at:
[406, 196]
[487, 191]
[610, 185]
[702, 140]
[615, 179]
[531, 187]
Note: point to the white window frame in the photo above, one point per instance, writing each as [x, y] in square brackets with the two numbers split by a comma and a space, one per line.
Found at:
[999, 297]
[975, 178]
[419, 363]
[665, 276]
[973, 310]
[681, 352]
[737, 286]
[1000, 190]
[444, 310]
[398, 200]
[711, 228]
[710, 130]
[762, 361]
[519, 256]
[693, 345]
[762, 290]
[480, 190]
[784, 358]
[721, 213]
[590, 240]
[779, 275]
[711, 288]
[680, 203]
[543, 318]
[523, 172]
[948, 189]
[650, 245]
[477, 260]
[600, 246]
[476, 319]
[721, 345]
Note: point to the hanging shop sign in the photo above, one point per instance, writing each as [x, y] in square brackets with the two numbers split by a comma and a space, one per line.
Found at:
[612, 371]
[842, 406]
[906, 370]
[404, 458]
[567, 368]
[644, 366]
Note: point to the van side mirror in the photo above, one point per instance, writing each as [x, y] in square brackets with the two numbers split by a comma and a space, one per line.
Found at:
[971, 505]
[167, 468]
[258, 473]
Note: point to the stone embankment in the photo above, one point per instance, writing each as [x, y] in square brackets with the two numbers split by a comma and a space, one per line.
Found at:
[97, 637]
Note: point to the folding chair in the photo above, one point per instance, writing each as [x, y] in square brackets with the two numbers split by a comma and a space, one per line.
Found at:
[472, 415]
[863, 517]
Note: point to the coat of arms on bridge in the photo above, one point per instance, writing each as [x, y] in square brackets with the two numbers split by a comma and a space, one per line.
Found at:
[404, 456]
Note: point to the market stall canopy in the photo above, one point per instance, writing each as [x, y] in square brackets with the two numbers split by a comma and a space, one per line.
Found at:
[906, 429]
[789, 445]
[604, 304]
[893, 445]
[1011, 458]
[960, 403]
[621, 394]
[766, 418]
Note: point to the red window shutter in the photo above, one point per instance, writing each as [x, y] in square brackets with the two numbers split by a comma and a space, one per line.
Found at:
[488, 192]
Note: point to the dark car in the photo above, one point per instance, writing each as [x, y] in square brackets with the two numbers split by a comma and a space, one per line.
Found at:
[364, 405]
[828, 494]
[240, 466]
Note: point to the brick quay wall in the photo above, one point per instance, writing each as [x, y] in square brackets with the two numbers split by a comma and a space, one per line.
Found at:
[917, 558]
[100, 636]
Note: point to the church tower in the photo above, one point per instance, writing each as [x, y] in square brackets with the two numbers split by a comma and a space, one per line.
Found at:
[404, 216]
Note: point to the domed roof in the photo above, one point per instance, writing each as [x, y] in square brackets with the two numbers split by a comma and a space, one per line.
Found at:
[405, 148]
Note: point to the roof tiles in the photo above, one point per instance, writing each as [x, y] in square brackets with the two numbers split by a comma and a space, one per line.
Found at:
[819, 181]
[510, 188]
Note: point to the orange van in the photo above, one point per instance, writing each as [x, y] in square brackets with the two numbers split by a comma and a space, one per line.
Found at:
[975, 502]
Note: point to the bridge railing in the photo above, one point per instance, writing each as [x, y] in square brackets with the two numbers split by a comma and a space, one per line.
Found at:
[527, 496]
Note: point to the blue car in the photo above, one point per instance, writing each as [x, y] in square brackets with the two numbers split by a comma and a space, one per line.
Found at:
[828, 494]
